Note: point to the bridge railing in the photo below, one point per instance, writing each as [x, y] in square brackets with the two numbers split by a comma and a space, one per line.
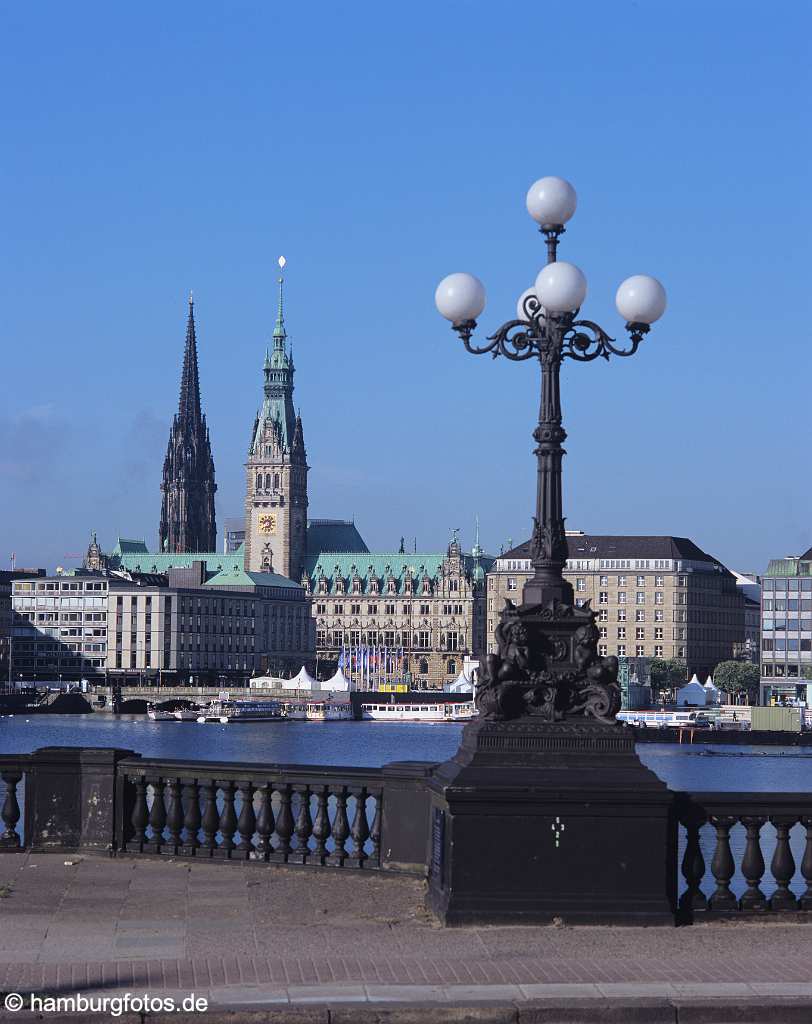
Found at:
[289, 814]
[12, 775]
[744, 854]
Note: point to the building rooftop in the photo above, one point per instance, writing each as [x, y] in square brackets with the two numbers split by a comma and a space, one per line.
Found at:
[333, 535]
[589, 545]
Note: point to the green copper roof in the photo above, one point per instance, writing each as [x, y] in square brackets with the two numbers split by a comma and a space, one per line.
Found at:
[126, 547]
[333, 535]
[382, 565]
[789, 567]
[238, 577]
[141, 560]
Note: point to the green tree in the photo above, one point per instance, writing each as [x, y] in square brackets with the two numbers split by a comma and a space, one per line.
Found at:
[667, 673]
[738, 677]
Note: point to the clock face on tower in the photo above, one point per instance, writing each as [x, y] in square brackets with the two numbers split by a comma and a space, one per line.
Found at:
[267, 523]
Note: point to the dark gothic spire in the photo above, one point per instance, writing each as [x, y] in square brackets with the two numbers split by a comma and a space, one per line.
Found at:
[187, 509]
[189, 403]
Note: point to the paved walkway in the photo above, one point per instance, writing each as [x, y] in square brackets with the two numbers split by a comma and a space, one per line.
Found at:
[345, 946]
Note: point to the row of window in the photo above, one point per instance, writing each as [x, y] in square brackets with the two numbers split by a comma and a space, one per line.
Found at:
[788, 644]
[795, 584]
[427, 586]
[639, 651]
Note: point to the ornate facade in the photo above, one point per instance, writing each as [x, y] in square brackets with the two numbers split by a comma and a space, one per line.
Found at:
[187, 507]
[276, 470]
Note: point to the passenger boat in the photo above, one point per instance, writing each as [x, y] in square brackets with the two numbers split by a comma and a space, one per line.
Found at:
[225, 711]
[156, 715]
[318, 711]
[442, 711]
[663, 719]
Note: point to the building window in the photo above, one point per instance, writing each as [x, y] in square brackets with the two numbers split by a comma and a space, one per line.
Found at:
[641, 581]
[621, 650]
[658, 650]
[621, 581]
[603, 597]
[423, 667]
[603, 615]
[658, 597]
[658, 615]
[603, 650]
[603, 632]
[659, 581]
[658, 632]
[640, 634]
[511, 582]
[621, 615]
[640, 651]
[640, 597]
[580, 584]
[621, 632]
[604, 581]
[640, 615]
[621, 597]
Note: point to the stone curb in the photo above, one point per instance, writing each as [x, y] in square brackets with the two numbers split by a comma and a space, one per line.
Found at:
[558, 1011]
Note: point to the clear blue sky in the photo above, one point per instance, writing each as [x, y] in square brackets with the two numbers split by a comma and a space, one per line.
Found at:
[149, 149]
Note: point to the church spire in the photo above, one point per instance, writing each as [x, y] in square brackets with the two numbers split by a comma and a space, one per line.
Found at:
[189, 402]
[279, 334]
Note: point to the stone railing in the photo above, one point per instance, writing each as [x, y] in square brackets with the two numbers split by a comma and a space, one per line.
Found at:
[723, 877]
[740, 854]
[278, 813]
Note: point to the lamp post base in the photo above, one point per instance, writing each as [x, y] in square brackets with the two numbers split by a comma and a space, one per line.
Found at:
[535, 821]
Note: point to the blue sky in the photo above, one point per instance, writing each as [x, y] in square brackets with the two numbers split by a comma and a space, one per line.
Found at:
[154, 148]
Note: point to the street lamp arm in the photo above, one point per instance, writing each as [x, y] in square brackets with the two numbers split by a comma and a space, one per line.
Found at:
[584, 340]
[516, 340]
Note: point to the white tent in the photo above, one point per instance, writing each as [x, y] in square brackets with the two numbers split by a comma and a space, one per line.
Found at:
[462, 684]
[337, 682]
[712, 691]
[693, 694]
[301, 681]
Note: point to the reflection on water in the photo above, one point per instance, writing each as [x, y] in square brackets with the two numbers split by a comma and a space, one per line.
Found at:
[369, 744]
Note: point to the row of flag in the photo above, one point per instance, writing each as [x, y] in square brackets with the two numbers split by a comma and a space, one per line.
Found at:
[367, 663]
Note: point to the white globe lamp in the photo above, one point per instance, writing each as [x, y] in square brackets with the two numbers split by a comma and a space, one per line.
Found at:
[551, 201]
[460, 297]
[521, 313]
[561, 287]
[641, 299]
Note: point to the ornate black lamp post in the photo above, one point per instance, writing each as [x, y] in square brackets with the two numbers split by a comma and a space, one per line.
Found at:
[545, 810]
[547, 663]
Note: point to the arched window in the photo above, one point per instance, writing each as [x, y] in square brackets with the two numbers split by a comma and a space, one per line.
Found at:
[391, 587]
[267, 481]
[259, 481]
[452, 666]
[276, 481]
[453, 586]
[423, 667]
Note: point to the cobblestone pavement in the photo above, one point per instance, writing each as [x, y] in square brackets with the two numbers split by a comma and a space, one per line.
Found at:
[251, 935]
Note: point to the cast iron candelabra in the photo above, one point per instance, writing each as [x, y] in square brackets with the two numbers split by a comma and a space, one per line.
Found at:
[547, 663]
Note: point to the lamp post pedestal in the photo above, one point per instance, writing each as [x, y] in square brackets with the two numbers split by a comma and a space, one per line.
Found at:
[533, 821]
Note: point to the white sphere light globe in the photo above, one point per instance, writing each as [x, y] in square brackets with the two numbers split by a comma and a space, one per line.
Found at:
[460, 297]
[551, 201]
[641, 299]
[526, 294]
[561, 287]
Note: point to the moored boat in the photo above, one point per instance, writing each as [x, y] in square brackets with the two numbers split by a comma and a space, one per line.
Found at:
[225, 711]
[442, 711]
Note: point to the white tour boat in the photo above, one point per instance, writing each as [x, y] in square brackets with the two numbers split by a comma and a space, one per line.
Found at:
[156, 715]
[663, 719]
[318, 711]
[225, 711]
[441, 711]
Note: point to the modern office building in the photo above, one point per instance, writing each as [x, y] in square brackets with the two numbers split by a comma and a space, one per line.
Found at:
[786, 630]
[655, 597]
[6, 616]
[185, 624]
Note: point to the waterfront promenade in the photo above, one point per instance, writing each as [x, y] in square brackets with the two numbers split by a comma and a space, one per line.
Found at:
[327, 946]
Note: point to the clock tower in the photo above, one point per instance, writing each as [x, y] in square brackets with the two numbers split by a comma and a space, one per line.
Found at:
[276, 470]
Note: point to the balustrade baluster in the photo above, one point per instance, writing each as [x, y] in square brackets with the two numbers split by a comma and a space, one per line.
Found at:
[783, 864]
[157, 816]
[140, 815]
[174, 816]
[247, 822]
[360, 827]
[341, 828]
[304, 827]
[693, 863]
[10, 840]
[753, 864]
[211, 819]
[321, 826]
[722, 865]
[806, 864]
[228, 819]
[284, 822]
[265, 822]
[192, 818]
[375, 831]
